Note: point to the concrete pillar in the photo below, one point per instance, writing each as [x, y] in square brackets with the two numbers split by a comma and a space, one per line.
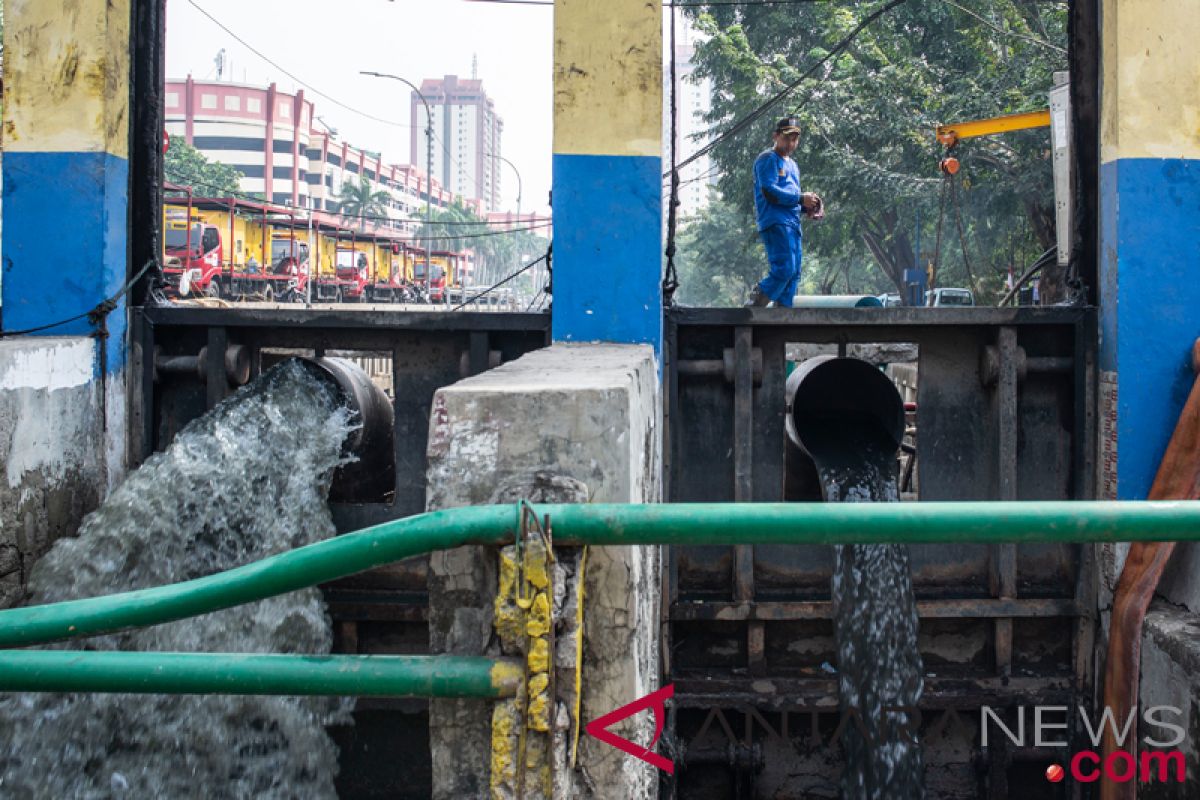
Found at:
[66, 180]
[1149, 232]
[607, 186]
[568, 423]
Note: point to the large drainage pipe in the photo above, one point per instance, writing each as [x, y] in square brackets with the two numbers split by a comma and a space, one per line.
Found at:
[371, 474]
[830, 401]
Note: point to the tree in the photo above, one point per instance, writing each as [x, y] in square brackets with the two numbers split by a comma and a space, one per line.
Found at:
[358, 202]
[458, 227]
[187, 166]
[720, 257]
[868, 116]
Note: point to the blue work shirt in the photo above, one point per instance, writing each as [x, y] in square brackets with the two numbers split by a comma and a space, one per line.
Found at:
[776, 190]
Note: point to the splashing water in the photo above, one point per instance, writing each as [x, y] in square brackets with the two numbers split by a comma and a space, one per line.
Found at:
[247, 480]
[875, 616]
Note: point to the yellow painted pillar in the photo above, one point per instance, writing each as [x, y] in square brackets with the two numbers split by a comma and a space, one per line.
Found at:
[66, 165]
[607, 188]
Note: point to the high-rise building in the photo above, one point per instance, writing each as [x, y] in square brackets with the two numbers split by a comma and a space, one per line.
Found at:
[466, 130]
[693, 100]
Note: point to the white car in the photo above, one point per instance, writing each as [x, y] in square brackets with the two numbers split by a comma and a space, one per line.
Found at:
[889, 300]
[949, 297]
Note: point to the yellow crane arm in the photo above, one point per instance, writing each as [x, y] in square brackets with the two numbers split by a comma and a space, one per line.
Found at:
[949, 135]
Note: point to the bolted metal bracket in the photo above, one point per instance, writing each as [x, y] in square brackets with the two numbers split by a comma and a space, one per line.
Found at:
[237, 365]
[723, 368]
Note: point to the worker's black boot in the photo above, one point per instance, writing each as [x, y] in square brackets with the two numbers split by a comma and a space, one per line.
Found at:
[757, 298]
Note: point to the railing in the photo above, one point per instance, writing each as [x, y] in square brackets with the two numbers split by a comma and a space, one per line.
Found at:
[454, 676]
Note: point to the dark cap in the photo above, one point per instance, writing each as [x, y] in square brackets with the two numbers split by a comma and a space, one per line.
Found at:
[787, 125]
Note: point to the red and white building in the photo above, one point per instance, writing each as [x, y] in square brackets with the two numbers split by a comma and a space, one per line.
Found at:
[269, 137]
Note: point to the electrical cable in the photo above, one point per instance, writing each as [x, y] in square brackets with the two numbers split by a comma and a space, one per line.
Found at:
[96, 315]
[318, 92]
[962, 236]
[1005, 32]
[669, 4]
[670, 280]
[745, 121]
[536, 225]
[937, 248]
[500, 283]
[306, 85]
[1042, 261]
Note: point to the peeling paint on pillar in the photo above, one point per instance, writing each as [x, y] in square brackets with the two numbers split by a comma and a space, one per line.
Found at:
[66, 164]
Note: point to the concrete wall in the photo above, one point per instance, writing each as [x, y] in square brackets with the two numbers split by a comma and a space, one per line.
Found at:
[562, 423]
[52, 445]
[1170, 664]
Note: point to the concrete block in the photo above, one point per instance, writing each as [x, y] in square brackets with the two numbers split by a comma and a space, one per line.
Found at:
[569, 423]
[1170, 663]
[52, 446]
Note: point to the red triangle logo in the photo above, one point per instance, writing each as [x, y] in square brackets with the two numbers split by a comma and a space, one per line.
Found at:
[655, 700]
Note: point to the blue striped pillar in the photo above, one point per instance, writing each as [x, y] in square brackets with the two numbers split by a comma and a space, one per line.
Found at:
[66, 168]
[1149, 232]
[608, 171]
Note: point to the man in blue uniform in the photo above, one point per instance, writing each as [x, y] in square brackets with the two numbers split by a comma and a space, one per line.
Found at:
[778, 203]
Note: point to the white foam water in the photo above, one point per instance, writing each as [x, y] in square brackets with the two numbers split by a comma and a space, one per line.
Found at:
[246, 480]
[875, 620]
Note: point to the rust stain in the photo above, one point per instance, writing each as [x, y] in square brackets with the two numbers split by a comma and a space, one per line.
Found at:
[64, 72]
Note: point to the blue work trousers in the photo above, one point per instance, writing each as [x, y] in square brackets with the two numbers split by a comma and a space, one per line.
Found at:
[782, 243]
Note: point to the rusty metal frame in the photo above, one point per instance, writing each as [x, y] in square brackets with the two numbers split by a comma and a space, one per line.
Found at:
[694, 341]
[428, 350]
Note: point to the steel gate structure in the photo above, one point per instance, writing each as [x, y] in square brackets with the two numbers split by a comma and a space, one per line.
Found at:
[1004, 412]
[386, 751]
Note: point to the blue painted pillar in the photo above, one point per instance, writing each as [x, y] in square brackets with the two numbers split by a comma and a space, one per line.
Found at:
[608, 171]
[66, 168]
[1149, 232]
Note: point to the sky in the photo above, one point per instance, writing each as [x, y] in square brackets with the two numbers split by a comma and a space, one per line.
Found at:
[325, 44]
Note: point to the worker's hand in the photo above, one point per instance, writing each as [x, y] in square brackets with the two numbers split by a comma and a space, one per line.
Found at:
[815, 207]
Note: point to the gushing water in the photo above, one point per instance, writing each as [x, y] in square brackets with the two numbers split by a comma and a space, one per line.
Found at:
[246, 480]
[875, 616]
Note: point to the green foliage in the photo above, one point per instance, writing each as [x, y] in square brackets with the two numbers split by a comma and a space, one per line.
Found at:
[497, 253]
[186, 166]
[867, 143]
[720, 257]
[358, 202]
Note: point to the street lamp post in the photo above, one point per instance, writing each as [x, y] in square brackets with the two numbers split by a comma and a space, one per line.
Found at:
[518, 173]
[428, 182]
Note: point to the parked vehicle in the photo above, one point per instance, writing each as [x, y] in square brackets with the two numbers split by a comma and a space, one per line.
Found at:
[246, 250]
[949, 297]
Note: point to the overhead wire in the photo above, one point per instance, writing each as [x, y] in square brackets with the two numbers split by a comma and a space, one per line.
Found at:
[238, 195]
[502, 281]
[669, 4]
[318, 92]
[1005, 31]
[96, 316]
[670, 280]
[762, 108]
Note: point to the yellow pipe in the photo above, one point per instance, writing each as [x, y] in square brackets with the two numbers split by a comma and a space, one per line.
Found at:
[949, 135]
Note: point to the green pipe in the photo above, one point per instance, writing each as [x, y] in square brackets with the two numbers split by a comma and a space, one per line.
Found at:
[600, 524]
[245, 673]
